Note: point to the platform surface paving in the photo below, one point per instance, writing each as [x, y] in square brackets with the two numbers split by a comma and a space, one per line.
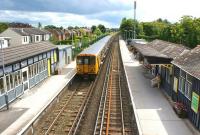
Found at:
[153, 112]
[25, 108]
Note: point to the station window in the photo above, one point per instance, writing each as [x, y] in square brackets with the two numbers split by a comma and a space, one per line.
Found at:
[188, 86]
[25, 76]
[10, 81]
[167, 76]
[2, 90]
[45, 64]
[181, 86]
[17, 78]
[92, 60]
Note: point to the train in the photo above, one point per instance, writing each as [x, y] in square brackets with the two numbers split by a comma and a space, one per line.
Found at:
[88, 62]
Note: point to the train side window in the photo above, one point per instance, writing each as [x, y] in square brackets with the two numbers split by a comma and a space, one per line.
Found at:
[92, 60]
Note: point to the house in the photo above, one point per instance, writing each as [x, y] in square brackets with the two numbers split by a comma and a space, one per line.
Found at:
[186, 83]
[24, 66]
[26, 35]
[58, 34]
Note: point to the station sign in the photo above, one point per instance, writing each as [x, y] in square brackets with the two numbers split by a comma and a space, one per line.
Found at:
[195, 102]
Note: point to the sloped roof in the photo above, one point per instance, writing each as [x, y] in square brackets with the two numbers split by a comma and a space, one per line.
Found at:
[148, 51]
[17, 53]
[29, 31]
[190, 62]
[167, 48]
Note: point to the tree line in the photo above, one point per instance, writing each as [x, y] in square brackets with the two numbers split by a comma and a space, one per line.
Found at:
[186, 31]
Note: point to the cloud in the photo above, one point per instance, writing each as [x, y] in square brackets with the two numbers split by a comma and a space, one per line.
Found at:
[67, 6]
[173, 10]
[58, 19]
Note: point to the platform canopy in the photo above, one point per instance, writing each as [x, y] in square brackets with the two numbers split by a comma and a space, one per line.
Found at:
[190, 62]
[159, 52]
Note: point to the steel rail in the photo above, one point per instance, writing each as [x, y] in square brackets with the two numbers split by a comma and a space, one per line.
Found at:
[109, 105]
[81, 108]
[58, 115]
[121, 100]
[103, 99]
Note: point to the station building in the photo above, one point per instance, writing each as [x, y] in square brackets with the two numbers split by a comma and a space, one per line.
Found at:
[186, 84]
[64, 56]
[24, 66]
[179, 68]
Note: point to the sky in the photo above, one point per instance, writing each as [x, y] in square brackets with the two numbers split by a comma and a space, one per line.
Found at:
[93, 12]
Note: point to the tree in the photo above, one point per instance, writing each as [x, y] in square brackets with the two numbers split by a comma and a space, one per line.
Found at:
[93, 28]
[97, 32]
[102, 28]
[3, 26]
[50, 27]
[70, 28]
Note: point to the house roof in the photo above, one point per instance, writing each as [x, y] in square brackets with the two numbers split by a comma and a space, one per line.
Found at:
[190, 62]
[21, 52]
[29, 31]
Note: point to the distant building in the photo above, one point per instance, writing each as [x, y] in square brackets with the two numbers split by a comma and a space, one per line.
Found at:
[26, 35]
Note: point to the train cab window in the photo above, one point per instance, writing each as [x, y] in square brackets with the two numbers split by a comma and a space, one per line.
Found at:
[86, 61]
[92, 60]
[79, 61]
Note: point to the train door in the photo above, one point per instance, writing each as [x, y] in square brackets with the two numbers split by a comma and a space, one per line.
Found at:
[85, 64]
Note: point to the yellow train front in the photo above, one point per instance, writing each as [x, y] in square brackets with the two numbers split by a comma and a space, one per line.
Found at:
[88, 62]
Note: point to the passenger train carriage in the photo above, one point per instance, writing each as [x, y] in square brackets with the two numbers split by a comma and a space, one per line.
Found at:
[89, 60]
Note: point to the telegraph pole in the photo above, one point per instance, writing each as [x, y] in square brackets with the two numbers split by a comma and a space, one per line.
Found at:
[134, 19]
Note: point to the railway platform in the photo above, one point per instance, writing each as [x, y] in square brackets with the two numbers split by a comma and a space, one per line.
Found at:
[153, 112]
[22, 111]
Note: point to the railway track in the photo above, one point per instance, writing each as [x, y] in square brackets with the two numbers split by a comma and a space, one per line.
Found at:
[63, 118]
[112, 108]
[100, 107]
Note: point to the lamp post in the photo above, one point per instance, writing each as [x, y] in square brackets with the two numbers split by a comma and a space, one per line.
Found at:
[134, 19]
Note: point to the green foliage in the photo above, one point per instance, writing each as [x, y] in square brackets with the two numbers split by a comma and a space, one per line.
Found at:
[186, 31]
[50, 27]
[93, 28]
[97, 32]
[102, 28]
[3, 26]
